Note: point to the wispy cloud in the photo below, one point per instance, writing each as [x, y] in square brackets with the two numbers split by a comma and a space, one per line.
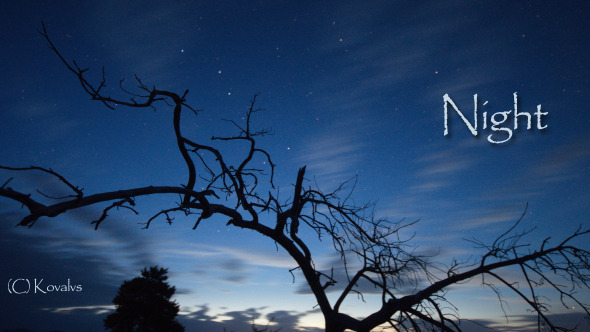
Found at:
[370, 58]
[556, 167]
[42, 118]
[139, 52]
[91, 309]
[567, 162]
[252, 256]
[442, 169]
[409, 61]
[114, 249]
[485, 218]
[332, 156]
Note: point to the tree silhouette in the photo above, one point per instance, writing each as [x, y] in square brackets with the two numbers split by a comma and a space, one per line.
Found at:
[143, 304]
[372, 250]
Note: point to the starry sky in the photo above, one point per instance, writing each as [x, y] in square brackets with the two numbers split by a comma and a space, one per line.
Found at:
[351, 89]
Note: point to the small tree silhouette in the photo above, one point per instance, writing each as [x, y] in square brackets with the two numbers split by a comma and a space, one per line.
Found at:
[143, 304]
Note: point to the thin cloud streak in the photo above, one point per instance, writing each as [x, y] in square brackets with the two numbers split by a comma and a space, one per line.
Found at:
[251, 256]
[332, 157]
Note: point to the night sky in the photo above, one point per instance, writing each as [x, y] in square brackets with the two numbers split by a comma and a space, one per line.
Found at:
[351, 89]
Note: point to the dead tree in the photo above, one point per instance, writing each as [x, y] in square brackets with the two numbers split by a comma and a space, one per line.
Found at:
[386, 260]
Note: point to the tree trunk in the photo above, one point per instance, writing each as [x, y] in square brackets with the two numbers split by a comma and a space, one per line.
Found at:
[334, 326]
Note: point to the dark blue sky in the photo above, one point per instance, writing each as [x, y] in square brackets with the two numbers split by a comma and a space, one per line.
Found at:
[350, 88]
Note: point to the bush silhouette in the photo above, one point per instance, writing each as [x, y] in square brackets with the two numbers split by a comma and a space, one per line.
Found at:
[143, 304]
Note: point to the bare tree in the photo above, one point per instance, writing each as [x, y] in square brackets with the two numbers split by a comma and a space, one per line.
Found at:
[386, 259]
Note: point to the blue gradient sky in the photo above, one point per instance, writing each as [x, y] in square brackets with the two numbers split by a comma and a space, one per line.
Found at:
[350, 89]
